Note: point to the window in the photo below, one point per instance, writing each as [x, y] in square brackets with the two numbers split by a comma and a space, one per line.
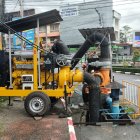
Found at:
[42, 29]
[54, 27]
[125, 47]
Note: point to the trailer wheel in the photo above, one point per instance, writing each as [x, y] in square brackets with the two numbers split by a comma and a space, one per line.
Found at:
[37, 104]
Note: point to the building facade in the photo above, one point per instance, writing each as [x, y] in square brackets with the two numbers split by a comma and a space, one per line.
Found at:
[53, 32]
[122, 52]
[93, 14]
[116, 25]
[15, 41]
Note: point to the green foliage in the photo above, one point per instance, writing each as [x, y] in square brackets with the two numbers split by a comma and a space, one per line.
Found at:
[125, 33]
[125, 63]
[130, 110]
[136, 55]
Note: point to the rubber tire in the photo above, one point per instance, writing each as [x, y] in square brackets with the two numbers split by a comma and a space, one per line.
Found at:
[41, 95]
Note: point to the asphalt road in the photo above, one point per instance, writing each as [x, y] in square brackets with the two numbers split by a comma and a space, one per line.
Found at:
[108, 131]
[119, 77]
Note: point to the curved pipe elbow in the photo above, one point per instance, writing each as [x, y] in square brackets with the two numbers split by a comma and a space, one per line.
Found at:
[60, 48]
[92, 80]
[90, 41]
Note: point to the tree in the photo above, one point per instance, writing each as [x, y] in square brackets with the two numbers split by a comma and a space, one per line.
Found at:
[125, 33]
[136, 55]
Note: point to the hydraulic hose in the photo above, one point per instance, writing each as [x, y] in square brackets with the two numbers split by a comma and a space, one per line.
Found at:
[94, 96]
[60, 48]
[90, 41]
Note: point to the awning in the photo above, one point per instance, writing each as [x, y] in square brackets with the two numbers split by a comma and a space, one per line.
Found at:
[89, 31]
[31, 21]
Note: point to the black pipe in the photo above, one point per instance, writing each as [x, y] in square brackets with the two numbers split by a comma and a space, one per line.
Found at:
[90, 41]
[94, 96]
[60, 48]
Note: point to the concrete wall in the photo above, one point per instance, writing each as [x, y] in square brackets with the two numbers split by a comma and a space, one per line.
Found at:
[116, 24]
[87, 17]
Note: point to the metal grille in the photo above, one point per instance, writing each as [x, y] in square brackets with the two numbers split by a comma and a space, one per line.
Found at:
[131, 94]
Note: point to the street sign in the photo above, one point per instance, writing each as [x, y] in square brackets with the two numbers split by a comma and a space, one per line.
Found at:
[136, 39]
[69, 11]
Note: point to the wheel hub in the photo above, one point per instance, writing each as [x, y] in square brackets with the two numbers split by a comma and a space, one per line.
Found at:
[36, 104]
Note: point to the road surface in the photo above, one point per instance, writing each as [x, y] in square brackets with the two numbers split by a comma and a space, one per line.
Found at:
[119, 77]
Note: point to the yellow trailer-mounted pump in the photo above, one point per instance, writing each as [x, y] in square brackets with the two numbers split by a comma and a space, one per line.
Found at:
[25, 82]
[43, 74]
[37, 77]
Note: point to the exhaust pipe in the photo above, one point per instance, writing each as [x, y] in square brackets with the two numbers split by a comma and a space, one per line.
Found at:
[90, 41]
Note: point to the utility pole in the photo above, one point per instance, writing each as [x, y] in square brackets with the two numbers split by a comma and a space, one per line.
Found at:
[2, 11]
[21, 15]
[21, 8]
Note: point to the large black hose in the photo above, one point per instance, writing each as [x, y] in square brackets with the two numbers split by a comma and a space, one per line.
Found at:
[90, 41]
[94, 96]
[60, 48]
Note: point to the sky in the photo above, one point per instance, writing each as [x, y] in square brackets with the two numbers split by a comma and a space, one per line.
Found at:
[129, 9]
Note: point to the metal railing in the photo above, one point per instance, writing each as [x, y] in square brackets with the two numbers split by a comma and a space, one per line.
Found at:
[131, 95]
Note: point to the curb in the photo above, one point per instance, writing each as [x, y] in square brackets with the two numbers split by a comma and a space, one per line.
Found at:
[127, 73]
[71, 128]
[137, 73]
[118, 71]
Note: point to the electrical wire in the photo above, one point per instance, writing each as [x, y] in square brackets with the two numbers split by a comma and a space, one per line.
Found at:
[87, 3]
[88, 8]
[15, 5]
[85, 23]
[88, 22]
[98, 7]
[80, 2]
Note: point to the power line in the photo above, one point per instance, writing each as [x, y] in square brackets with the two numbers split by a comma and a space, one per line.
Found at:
[104, 6]
[88, 8]
[90, 2]
[96, 20]
[96, 2]
[16, 5]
